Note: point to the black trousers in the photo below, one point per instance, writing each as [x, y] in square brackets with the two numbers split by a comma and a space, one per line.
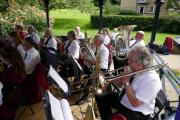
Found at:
[106, 101]
[72, 66]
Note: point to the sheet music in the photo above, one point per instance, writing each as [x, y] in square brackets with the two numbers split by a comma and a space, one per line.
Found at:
[66, 110]
[56, 109]
[61, 83]
[76, 62]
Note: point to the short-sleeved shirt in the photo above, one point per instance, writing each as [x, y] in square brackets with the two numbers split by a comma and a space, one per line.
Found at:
[51, 43]
[146, 86]
[104, 56]
[74, 49]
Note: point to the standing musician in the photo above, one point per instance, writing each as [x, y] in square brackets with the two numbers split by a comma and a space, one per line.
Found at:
[71, 50]
[137, 100]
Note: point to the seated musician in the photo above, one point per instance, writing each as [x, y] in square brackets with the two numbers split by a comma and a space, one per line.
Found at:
[50, 42]
[103, 53]
[137, 100]
[79, 34]
[139, 41]
[11, 79]
[71, 50]
[19, 30]
[33, 34]
[30, 55]
[107, 39]
[14, 39]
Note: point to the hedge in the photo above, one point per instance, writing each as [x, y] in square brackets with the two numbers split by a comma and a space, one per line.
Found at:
[166, 24]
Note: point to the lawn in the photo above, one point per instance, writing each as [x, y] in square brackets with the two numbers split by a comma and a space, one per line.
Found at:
[66, 20]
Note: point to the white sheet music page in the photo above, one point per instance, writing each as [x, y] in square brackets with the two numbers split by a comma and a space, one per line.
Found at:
[56, 109]
[66, 109]
[61, 83]
[76, 62]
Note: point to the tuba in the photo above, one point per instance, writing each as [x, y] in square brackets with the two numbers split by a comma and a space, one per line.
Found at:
[88, 54]
[123, 42]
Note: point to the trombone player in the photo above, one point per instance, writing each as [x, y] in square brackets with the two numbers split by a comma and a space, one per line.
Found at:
[137, 100]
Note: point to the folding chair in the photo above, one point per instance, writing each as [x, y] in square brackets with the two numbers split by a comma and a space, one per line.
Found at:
[161, 101]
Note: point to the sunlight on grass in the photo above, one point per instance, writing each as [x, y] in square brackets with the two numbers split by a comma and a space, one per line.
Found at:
[66, 20]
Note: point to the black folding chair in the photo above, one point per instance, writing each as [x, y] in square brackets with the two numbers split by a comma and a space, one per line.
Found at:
[161, 102]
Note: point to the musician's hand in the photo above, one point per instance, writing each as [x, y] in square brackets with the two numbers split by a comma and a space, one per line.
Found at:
[126, 71]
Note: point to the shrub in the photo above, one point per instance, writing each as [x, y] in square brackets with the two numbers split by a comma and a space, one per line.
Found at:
[127, 12]
[110, 9]
[166, 24]
[23, 15]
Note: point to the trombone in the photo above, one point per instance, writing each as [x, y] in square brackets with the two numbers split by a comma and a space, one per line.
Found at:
[104, 81]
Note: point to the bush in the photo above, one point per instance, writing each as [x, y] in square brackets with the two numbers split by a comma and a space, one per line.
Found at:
[166, 24]
[110, 9]
[22, 15]
[127, 12]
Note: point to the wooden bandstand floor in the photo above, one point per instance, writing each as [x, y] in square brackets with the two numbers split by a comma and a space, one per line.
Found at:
[39, 113]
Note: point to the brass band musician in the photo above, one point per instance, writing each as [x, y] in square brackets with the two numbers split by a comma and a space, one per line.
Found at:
[71, 50]
[103, 53]
[137, 100]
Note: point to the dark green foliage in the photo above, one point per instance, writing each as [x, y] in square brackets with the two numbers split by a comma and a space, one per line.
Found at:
[166, 24]
[127, 12]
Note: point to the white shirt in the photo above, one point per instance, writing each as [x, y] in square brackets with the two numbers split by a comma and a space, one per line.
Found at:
[80, 35]
[74, 49]
[146, 86]
[20, 49]
[52, 43]
[133, 44]
[31, 60]
[107, 40]
[1, 96]
[104, 56]
[113, 35]
[35, 37]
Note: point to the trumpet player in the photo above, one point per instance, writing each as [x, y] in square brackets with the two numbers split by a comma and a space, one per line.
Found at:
[137, 100]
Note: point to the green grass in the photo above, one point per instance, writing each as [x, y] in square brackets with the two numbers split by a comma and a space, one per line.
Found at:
[66, 20]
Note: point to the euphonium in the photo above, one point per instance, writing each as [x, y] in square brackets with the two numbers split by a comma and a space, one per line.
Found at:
[123, 42]
[88, 54]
